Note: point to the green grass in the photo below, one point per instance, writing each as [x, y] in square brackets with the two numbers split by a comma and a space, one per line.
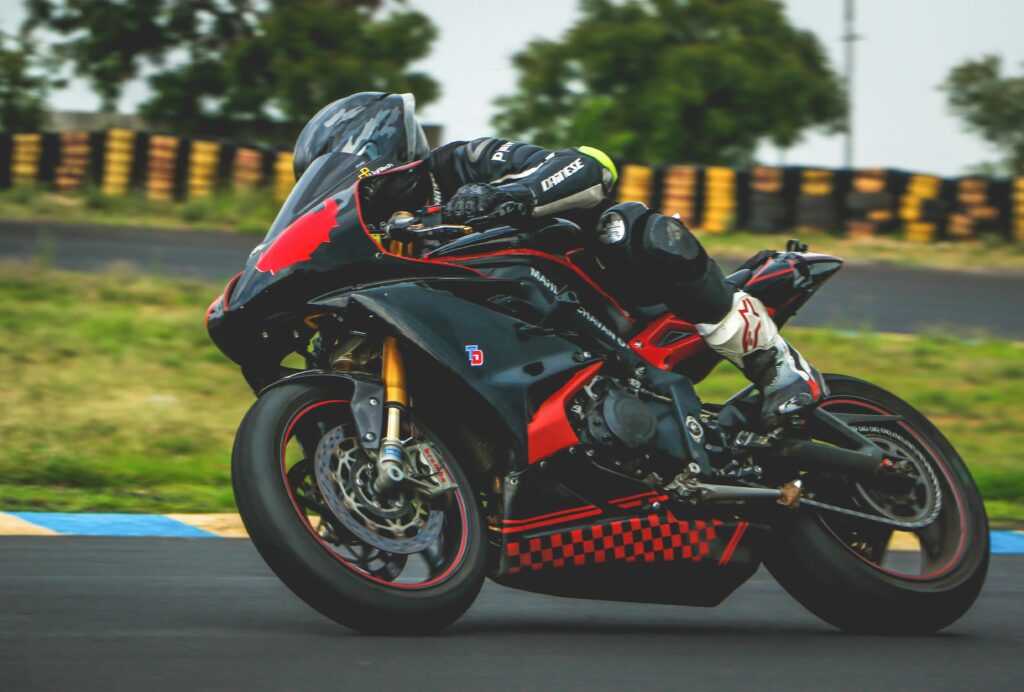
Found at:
[113, 398]
[986, 254]
[244, 212]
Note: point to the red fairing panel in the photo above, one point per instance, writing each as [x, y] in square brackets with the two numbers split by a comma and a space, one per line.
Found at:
[667, 357]
[297, 242]
[653, 538]
[549, 430]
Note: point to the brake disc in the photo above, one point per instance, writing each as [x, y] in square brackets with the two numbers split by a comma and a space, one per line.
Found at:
[344, 473]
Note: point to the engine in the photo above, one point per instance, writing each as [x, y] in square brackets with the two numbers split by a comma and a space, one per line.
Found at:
[627, 433]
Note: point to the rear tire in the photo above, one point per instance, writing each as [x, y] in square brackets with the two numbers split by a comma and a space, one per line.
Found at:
[828, 577]
[305, 563]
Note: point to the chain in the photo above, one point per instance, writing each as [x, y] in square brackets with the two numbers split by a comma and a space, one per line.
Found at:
[896, 523]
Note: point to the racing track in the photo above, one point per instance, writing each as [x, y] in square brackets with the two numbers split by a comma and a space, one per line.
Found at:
[864, 297]
[185, 614]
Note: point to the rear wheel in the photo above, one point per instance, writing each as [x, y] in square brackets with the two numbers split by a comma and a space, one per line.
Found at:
[402, 562]
[865, 577]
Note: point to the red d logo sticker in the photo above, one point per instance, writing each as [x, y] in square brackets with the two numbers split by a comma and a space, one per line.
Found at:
[476, 356]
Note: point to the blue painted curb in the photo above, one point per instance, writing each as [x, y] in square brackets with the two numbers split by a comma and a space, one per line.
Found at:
[158, 525]
[1007, 543]
[100, 524]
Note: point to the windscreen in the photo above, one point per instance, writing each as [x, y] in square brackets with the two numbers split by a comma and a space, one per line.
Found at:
[326, 176]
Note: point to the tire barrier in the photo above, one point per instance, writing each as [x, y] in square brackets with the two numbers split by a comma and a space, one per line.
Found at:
[247, 169]
[976, 208]
[1018, 209]
[73, 169]
[719, 213]
[162, 164]
[25, 157]
[680, 191]
[768, 204]
[764, 199]
[117, 163]
[921, 208]
[162, 167]
[815, 206]
[869, 204]
[636, 184]
[284, 176]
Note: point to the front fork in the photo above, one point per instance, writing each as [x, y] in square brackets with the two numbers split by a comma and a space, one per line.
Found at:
[391, 460]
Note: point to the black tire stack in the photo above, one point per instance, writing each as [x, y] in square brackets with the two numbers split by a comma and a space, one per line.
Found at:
[815, 205]
[869, 204]
[768, 207]
[679, 192]
[720, 210]
[1017, 205]
[975, 208]
[921, 208]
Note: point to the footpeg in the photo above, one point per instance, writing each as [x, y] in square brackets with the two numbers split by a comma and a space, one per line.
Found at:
[791, 494]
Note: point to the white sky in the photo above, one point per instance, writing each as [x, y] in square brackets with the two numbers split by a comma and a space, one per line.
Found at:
[900, 120]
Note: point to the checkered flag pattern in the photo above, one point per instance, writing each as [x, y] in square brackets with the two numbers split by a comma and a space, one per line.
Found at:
[640, 539]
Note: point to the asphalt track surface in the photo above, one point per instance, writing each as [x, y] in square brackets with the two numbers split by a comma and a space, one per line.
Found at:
[861, 297]
[188, 614]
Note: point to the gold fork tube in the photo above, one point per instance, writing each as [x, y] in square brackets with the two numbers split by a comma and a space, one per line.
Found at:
[395, 392]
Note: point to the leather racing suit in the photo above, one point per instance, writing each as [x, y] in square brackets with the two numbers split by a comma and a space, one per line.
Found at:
[663, 260]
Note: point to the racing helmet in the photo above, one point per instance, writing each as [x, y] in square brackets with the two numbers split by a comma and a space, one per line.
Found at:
[378, 126]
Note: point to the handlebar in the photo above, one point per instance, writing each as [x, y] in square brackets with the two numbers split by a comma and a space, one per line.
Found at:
[429, 223]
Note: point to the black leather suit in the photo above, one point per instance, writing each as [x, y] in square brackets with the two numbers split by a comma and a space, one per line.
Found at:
[657, 256]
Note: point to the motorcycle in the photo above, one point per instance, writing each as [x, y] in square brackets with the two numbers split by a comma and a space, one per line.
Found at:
[442, 403]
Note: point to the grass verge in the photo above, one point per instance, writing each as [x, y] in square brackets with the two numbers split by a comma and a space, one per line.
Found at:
[986, 254]
[253, 212]
[246, 212]
[113, 398]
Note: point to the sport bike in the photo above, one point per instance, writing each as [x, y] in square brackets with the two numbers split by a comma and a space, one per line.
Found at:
[440, 403]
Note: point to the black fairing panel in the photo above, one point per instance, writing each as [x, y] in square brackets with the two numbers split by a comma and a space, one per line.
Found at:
[701, 584]
[313, 248]
[445, 326]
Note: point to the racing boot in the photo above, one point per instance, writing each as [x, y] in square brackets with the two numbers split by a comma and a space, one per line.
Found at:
[749, 339]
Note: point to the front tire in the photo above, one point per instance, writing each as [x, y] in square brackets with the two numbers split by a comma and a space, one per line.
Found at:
[302, 541]
[841, 570]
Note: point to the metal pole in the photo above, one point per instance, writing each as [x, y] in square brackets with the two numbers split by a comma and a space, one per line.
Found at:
[848, 38]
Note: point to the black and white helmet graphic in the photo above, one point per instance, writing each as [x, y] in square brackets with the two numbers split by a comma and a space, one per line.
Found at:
[379, 128]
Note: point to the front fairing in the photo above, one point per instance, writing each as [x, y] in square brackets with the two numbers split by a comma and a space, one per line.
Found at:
[316, 233]
[320, 242]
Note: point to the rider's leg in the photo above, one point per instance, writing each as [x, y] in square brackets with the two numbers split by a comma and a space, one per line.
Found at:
[734, 324]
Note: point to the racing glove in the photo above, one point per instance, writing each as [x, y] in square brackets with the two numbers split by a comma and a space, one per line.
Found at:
[484, 199]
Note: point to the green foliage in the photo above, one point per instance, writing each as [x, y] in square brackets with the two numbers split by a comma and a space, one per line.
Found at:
[990, 105]
[25, 81]
[219, 64]
[674, 80]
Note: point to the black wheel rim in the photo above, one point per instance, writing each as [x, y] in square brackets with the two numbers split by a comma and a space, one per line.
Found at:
[918, 555]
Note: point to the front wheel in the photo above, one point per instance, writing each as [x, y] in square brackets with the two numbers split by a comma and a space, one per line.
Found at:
[864, 577]
[405, 562]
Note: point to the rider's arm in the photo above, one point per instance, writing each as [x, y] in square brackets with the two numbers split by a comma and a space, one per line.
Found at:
[556, 181]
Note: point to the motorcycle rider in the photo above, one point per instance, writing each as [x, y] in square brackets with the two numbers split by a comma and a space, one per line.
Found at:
[499, 177]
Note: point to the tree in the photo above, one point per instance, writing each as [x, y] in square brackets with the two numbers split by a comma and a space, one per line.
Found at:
[216, 64]
[991, 105]
[674, 80]
[25, 81]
